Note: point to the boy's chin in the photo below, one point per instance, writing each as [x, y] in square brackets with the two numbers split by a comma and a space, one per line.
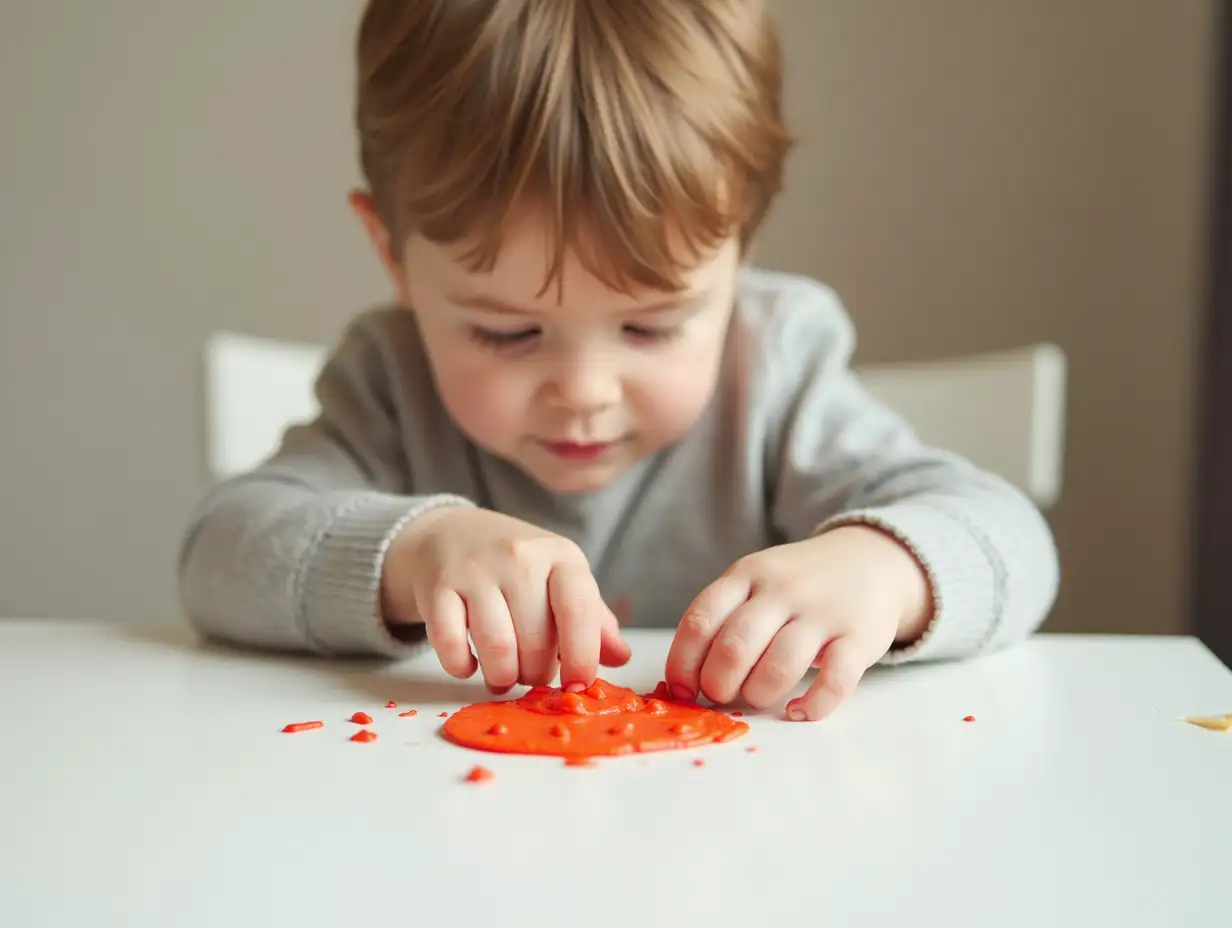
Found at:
[576, 478]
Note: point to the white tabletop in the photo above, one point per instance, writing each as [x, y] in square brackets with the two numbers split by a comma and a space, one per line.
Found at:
[144, 781]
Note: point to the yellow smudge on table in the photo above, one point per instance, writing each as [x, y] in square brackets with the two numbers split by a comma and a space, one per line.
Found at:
[1212, 722]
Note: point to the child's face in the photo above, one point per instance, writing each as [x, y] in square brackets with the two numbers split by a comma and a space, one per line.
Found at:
[572, 385]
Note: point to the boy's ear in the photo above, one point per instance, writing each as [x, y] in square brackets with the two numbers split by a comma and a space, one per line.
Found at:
[363, 207]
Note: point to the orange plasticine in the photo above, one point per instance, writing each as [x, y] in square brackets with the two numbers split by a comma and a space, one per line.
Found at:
[602, 720]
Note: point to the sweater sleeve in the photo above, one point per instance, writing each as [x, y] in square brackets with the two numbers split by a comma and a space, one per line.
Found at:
[845, 458]
[290, 556]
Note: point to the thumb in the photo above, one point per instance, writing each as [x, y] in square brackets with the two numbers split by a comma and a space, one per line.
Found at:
[613, 649]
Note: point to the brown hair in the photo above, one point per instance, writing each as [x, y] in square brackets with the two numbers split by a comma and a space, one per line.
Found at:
[636, 126]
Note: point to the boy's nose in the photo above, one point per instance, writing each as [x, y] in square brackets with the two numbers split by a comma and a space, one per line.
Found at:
[587, 387]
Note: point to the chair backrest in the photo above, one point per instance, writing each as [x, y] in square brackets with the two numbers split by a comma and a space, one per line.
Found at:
[255, 388]
[1004, 410]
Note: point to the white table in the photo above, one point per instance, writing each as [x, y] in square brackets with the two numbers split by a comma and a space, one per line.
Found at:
[144, 781]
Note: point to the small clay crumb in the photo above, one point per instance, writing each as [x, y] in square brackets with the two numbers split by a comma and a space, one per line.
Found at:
[361, 718]
[968, 718]
[699, 763]
[391, 705]
[364, 736]
[479, 775]
[443, 715]
[408, 714]
[303, 726]
[498, 729]
[752, 749]
[737, 714]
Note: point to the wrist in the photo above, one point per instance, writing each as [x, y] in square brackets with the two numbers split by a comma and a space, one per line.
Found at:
[397, 599]
[914, 586]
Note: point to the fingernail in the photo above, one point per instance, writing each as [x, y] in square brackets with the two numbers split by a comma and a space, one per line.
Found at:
[796, 714]
[575, 687]
[681, 693]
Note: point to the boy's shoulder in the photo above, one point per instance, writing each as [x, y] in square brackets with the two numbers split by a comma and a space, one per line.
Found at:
[382, 322]
[784, 317]
[380, 338]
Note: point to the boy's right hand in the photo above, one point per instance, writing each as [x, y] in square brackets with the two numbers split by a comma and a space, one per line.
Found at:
[527, 597]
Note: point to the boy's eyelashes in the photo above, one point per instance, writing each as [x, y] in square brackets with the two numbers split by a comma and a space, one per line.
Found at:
[493, 338]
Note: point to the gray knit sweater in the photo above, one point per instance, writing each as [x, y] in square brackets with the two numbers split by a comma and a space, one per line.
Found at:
[289, 556]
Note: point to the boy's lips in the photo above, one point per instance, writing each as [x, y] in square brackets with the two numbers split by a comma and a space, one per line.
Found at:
[578, 450]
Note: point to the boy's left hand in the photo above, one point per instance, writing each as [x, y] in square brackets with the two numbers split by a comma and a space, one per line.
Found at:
[837, 602]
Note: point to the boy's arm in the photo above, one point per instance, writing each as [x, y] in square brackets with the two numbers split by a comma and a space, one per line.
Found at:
[290, 555]
[844, 458]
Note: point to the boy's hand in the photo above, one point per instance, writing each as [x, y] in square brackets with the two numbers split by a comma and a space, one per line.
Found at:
[836, 602]
[526, 596]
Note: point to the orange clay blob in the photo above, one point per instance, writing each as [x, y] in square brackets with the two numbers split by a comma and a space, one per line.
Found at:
[602, 720]
[364, 736]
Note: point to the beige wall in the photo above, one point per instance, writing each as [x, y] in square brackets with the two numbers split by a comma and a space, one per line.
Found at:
[972, 175]
[976, 175]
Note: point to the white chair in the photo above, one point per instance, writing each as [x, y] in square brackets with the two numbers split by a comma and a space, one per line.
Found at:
[1004, 410]
[255, 388]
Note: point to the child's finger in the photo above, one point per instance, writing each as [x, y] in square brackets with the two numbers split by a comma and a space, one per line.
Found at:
[535, 631]
[739, 645]
[701, 622]
[785, 661]
[445, 621]
[841, 666]
[577, 608]
[613, 649]
[496, 642]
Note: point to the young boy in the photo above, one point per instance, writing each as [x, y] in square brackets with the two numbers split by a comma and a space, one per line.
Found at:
[585, 396]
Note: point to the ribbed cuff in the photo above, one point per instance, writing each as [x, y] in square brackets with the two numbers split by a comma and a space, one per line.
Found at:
[339, 591]
[967, 589]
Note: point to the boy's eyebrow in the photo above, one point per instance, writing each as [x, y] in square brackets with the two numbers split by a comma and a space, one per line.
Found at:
[491, 304]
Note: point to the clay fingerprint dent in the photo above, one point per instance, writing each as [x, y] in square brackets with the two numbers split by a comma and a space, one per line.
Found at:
[603, 720]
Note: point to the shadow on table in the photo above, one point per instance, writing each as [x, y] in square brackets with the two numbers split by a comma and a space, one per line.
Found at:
[416, 679]
[419, 679]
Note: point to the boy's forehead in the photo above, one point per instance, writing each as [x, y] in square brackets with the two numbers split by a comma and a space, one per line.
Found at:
[519, 279]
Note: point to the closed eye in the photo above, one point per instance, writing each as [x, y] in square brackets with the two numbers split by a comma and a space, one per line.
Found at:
[650, 333]
[490, 338]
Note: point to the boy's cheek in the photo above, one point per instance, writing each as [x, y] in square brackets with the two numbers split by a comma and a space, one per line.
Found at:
[487, 406]
[680, 389]
[673, 404]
